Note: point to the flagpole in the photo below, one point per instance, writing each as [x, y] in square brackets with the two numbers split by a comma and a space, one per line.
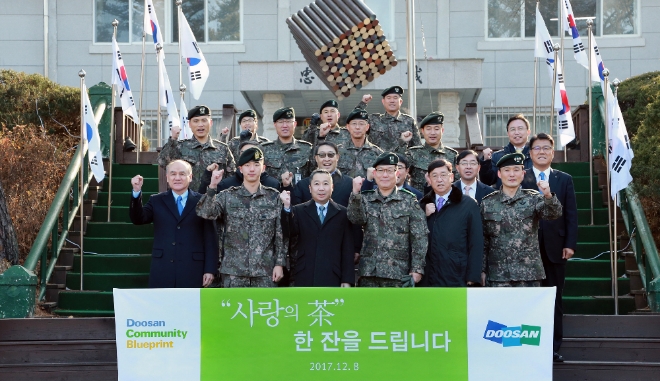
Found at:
[536, 65]
[562, 33]
[606, 74]
[139, 144]
[178, 15]
[159, 47]
[616, 83]
[590, 24]
[115, 23]
[81, 207]
[554, 88]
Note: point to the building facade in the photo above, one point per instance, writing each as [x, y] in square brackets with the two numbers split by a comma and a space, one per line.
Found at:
[478, 51]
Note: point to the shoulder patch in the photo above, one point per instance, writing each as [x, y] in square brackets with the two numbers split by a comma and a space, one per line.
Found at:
[415, 148]
[271, 189]
[531, 191]
[451, 150]
[407, 191]
[267, 143]
[491, 194]
[233, 188]
[219, 142]
[367, 191]
[304, 142]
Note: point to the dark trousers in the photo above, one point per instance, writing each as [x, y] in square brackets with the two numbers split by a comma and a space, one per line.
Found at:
[555, 274]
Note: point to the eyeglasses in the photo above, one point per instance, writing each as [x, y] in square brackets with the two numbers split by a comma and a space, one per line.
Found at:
[382, 171]
[322, 155]
[285, 122]
[520, 128]
[358, 124]
[544, 148]
[443, 176]
[469, 163]
[247, 120]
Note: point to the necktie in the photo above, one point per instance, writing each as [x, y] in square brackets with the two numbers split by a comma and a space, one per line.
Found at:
[179, 204]
[467, 190]
[321, 213]
[441, 202]
[542, 178]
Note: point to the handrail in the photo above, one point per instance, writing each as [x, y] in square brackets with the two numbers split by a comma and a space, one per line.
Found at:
[643, 245]
[65, 206]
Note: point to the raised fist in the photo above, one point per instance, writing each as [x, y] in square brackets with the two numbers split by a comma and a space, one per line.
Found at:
[212, 167]
[285, 196]
[488, 153]
[370, 173]
[137, 182]
[406, 136]
[225, 131]
[357, 184]
[430, 209]
[366, 98]
[287, 178]
[176, 130]
[324, 129]
[544, 187]
[216, 177]
[316, 119]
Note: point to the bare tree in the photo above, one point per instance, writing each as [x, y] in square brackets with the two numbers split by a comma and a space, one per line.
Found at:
[8, 241]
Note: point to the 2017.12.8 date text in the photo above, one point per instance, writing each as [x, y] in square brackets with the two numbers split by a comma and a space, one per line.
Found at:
[338, 366]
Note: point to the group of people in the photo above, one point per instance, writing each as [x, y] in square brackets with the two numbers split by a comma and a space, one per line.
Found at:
[264, 213]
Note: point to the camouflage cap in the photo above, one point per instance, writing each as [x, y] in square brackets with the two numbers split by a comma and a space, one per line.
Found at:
[515, 158]
[386, 158]
[247, 113]
[284, 113]
[250, 154]
[358, 113]
[330, 103]
[432, 118]
[392, 90]
[200, 110]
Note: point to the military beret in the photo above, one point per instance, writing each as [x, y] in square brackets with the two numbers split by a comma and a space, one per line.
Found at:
[392, 90]
[284, 113]
[358, 113]
[199, 111]
[250, 154]
[330, 103]
[386, 158]
[515, 158]
[247, 113]
[432, 118]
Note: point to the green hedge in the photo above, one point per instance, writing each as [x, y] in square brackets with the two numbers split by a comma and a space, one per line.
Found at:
[32, 99]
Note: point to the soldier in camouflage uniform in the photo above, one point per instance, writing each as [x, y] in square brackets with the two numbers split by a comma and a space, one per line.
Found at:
[358, 154]
[389, 130]
[421, 156]
[200, 151]
[248, 121]
[395, 232]
[254, 251]
[329, 130]
[510, 217]
[287, 158]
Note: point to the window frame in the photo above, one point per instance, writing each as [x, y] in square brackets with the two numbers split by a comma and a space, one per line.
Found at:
[599, 7]
[166, 28]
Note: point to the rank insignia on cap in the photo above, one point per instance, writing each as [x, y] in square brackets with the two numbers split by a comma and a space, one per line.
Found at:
[288, 114]
[392, 160]
[511, 159]
[258, 155]
[202, 110]
[518, 160]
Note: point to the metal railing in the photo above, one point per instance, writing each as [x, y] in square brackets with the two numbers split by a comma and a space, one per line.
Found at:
[494, 123]
[62, 213]
[643, 245]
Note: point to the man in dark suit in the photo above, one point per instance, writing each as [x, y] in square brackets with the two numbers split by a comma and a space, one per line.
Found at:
[557, 238]
[517, 128]
[467, 164]
[327, 157]
[323, 256]
[185, 249]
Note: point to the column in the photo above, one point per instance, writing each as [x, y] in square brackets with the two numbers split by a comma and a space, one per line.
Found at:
[448, 103]
[270, 104]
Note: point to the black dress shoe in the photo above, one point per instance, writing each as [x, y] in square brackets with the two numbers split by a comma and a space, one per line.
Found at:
[556, 357]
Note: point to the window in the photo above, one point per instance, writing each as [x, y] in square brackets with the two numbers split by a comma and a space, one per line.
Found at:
[517, 18]
[210, 20]
[495, 118]
[384, 10]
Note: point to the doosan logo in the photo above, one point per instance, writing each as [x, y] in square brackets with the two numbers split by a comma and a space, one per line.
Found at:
[512, 336]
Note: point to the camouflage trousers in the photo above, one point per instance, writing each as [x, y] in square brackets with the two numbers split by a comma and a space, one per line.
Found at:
[234, 281]
[372, 281]
[516, 283]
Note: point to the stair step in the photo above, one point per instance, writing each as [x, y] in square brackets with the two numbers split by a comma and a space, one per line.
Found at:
[84, 313]
[86, 300]
[117, 214]
[595, 233]
[588, 249]
[116, 263]
[57, 352]
[574, 169]
[123, 184]
[584, 202]
[122, 198]
[597, 305]
[581, 183]
[605, 371]
[119, 230]
[611, 349]
[130, 170]
[619, 326]
[594, 268]
[124, 246]
[594, 286]
[107, 281]
[584, 215]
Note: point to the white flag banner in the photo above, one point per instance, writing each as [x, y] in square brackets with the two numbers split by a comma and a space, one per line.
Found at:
[620, 152]
[186, 132]
[569, 26]
[151, 26]
[91, 135]
[198, 70]
[120, 78]
[544, 49]
[166, 95]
